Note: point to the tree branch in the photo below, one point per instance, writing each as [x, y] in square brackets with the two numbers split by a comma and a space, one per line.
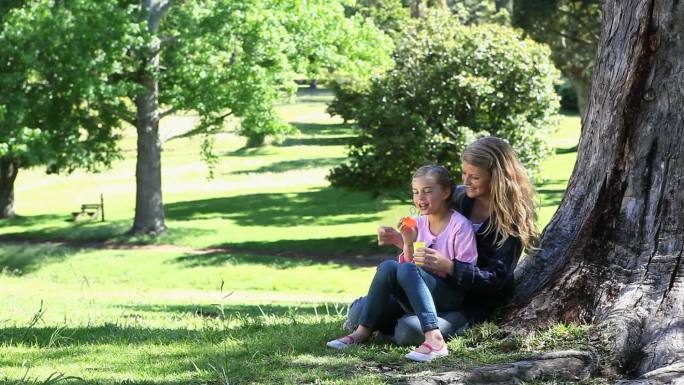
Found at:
[199, 129]
[126, 116]
[168, 112]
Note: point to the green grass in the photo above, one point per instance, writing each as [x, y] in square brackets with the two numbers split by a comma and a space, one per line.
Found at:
[291, 253]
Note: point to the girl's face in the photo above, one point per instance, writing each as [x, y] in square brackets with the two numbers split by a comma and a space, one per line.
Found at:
[476, 180]
[428, 196]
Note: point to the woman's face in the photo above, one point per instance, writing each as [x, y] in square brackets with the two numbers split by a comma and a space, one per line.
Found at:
[476, 180]
[428, 196]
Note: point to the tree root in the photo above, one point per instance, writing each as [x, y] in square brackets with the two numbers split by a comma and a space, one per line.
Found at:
[567, 365]
[669, 375]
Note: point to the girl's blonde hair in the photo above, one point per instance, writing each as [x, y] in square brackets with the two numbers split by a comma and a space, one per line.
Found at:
[512, 209]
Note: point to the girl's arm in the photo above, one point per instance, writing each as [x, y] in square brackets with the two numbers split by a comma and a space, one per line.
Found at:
[408, 236]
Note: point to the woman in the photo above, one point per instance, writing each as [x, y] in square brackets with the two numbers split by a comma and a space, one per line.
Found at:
[497, 198]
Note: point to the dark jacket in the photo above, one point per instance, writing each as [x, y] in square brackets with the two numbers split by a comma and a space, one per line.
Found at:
[490, 283]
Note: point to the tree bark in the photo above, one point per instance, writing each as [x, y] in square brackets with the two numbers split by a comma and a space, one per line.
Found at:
[8, 174]
[612, 254]
[149, 207]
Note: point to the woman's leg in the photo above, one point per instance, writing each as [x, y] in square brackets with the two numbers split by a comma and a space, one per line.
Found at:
[379, 294]
[391, 312]
[409, 331]
[381, 288]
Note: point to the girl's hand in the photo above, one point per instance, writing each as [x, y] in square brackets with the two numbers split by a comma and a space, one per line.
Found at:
[432, 260]
[408, 234]
[389, 236]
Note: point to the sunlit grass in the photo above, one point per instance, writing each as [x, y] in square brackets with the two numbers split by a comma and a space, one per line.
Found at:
[292, 253]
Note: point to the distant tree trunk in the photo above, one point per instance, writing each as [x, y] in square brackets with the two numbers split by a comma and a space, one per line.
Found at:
[613, 253]
[418, 8]
[504, 4]
[149, 207]
[8, 174]
[441, 4]
[582, 86]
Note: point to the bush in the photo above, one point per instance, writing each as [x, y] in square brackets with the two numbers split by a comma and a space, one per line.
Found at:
[451, 84]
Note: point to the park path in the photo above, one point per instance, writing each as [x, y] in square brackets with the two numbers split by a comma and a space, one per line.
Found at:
[357, 260]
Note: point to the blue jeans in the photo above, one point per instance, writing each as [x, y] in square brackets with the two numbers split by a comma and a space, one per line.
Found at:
[416, 290]
[405, 329]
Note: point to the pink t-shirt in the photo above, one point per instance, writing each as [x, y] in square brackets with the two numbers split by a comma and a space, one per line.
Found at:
[456, 241]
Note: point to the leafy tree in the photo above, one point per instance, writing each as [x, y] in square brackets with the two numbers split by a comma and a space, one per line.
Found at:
[218, 58]
[571, 29]
[389, 15]
[451, 83]
[47, 117]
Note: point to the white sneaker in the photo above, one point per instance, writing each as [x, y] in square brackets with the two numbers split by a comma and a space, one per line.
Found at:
[431, 355]
[341, 343]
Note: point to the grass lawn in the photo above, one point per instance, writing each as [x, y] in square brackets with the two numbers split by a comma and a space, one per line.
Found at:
[293, 253]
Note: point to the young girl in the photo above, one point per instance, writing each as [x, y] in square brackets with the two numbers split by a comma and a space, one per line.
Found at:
[427, 289]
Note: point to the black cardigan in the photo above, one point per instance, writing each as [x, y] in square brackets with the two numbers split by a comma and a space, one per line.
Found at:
[488, 284]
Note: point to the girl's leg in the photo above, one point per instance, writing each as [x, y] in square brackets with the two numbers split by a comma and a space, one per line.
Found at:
[427, 294]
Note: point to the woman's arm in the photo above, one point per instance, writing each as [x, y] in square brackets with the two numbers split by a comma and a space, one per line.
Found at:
[491, 276]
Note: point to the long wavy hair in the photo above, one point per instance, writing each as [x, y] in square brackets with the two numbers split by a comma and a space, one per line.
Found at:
[512, 208]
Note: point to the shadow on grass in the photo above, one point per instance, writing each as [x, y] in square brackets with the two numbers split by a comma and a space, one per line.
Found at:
[22, 258]
[323, 207]
[227, 310]
[90, 234]
[316, 134]
[355, 251]
[551, 196]
[285, 348]
[567, 150]
[289, 165]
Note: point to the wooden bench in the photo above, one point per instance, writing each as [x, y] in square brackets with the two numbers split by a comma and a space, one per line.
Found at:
[90, 210]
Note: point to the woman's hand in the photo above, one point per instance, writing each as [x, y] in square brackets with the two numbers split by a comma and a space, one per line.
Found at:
[389, 236]
[432, 260]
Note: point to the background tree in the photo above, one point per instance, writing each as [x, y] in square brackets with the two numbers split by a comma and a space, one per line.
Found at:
[49, 118]
[613, 254]
[217, 58]
[571, 29]
[451, 83]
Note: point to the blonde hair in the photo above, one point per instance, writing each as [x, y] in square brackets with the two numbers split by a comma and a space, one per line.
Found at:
[512, 209]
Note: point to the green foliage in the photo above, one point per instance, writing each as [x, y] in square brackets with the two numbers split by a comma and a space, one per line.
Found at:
[471, 12]
[53, 113]
[389, 15]
[240, 57]
[451, 84]
[569, 27]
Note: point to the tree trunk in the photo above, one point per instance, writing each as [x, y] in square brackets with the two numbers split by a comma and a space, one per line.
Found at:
[612, 254]
[417, 8]
[504, 4]
[8, 174]
[149, 207]
[441, 4]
